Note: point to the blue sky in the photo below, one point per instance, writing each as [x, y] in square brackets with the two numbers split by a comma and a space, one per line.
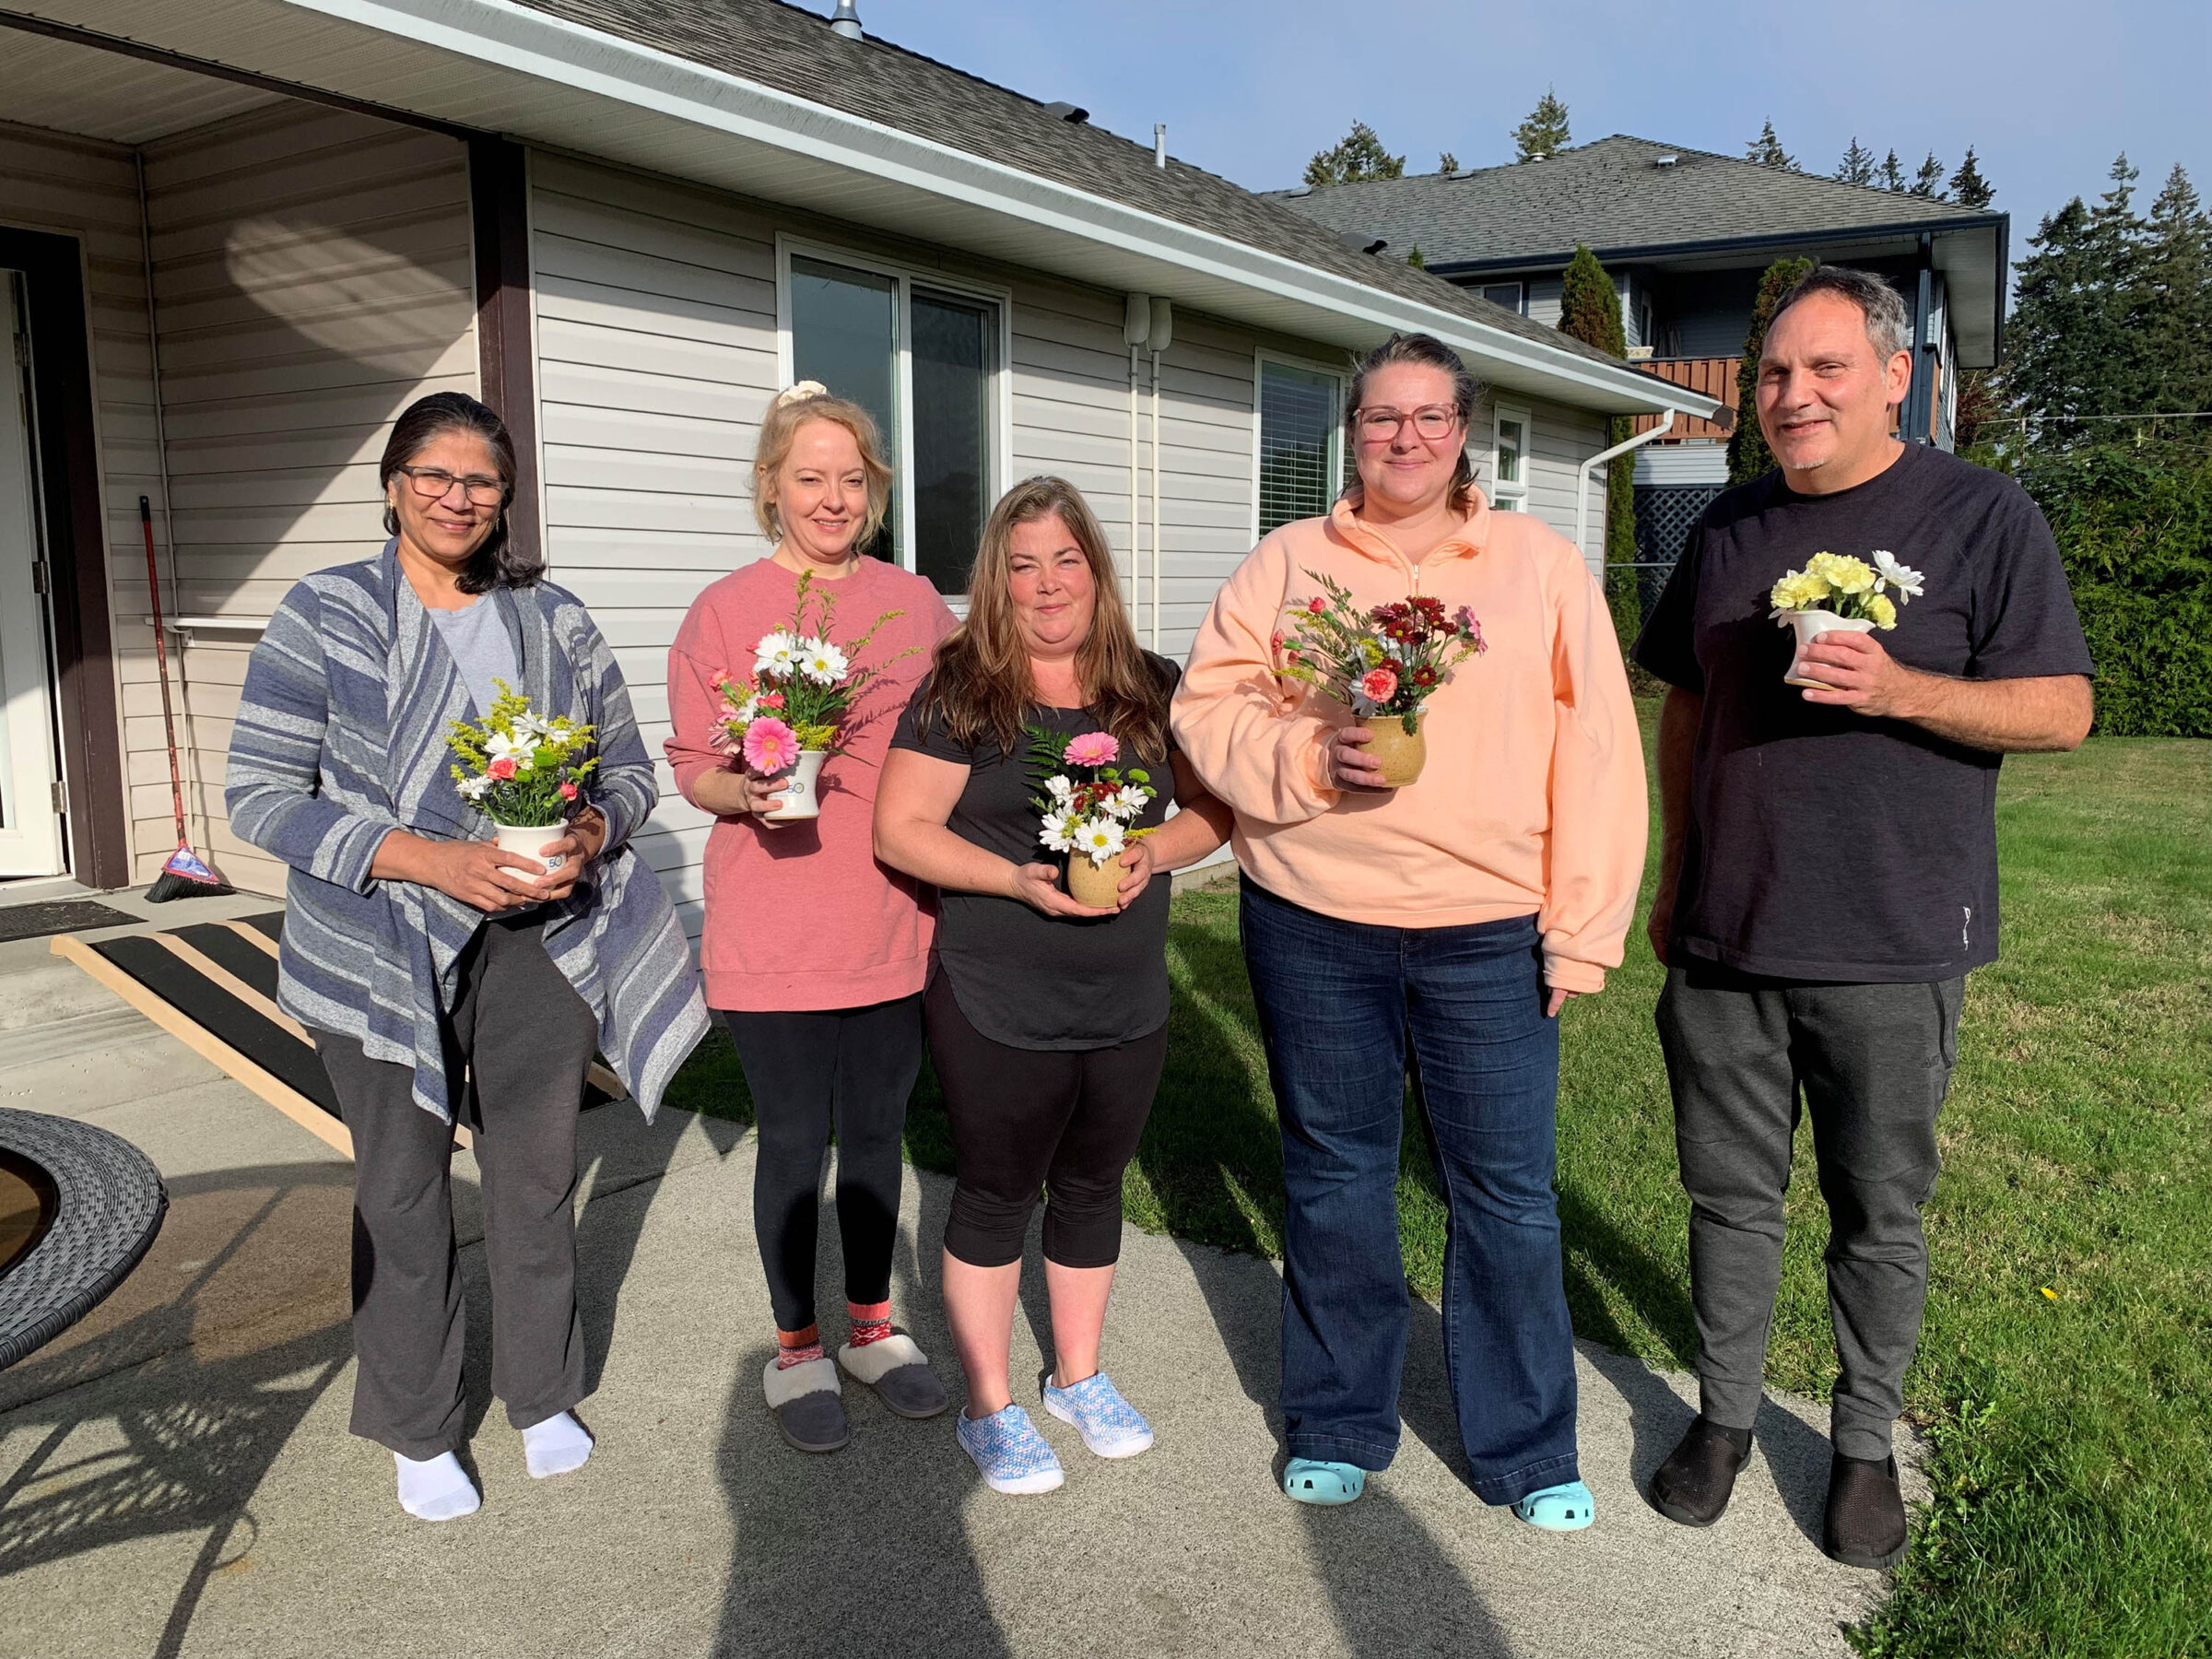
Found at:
[2046, 92]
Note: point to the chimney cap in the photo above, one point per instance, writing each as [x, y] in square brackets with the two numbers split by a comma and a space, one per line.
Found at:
[1074, 114]
[845, 21]
[1359, 241]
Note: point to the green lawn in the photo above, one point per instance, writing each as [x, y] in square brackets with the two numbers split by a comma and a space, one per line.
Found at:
[2067, 1368]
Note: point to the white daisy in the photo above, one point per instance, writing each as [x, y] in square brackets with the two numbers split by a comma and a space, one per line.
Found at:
[821, 662]
[1904, 578]
[1055, 833]
[476, 789]
[778, 654]
[1132, 799]
[1099, 839]
[521, 749]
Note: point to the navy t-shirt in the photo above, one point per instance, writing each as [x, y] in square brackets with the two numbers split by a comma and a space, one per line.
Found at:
[1823, 844]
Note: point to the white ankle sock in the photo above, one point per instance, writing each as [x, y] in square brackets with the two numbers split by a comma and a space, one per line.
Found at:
[436, 1489]
[555, 1446]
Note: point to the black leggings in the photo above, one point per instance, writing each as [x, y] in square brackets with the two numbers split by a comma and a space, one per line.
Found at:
[852, 1067]
[1066, 1120]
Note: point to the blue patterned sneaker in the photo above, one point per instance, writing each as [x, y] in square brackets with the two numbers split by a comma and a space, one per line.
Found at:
[1110, 1426]
[1006, 1447]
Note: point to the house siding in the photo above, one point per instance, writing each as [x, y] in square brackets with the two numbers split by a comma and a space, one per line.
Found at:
[313, 277]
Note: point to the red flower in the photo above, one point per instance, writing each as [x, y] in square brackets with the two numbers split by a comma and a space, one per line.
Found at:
[1277, 641]
[772, 700]
[1378, 685]
[1424, 677]
[1317, 605]
[502, 768]
[568, 791]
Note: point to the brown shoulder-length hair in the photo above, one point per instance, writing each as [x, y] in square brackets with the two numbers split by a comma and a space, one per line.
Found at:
[980, 679]
[809, 400]
[1425, 351]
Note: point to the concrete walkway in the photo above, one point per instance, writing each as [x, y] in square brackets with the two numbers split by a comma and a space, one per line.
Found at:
[176, 1476]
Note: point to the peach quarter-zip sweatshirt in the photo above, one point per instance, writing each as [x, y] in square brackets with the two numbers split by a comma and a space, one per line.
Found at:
[1532, 797]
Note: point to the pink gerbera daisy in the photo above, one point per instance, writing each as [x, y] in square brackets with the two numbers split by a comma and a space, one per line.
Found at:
[1093, 748]
[770, 746]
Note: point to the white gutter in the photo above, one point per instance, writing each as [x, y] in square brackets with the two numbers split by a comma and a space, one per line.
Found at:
[504, 36]
[1581, 482]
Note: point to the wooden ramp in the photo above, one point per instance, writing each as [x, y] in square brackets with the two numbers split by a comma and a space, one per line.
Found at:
[212, 985]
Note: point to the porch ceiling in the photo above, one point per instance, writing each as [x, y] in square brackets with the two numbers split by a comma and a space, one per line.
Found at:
[66, 87]
[501, 68]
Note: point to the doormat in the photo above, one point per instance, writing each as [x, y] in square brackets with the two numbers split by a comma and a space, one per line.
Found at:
[60, 916]
[213, 986]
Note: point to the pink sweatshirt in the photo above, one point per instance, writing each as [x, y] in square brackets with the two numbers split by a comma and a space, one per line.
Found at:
[1533, 797]
[801, 915]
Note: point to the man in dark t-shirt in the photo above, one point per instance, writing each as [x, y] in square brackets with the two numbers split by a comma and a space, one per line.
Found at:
[1830, 868]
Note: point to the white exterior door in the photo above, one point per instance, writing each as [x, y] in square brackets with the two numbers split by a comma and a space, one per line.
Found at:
[30, 827]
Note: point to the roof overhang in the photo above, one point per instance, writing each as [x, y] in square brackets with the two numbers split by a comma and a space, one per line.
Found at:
[1973, 251]
[491, 65]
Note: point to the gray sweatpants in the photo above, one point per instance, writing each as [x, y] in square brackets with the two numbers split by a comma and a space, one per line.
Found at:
[526, 1037]
[1872, 1063]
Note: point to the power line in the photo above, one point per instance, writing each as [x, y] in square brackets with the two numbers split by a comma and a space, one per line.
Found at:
[2057, 420]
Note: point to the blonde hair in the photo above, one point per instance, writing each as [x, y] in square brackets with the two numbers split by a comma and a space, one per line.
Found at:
[810, 400]
[980, 679]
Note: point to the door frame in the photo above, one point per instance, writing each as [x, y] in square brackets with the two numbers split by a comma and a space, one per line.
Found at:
[73, 522]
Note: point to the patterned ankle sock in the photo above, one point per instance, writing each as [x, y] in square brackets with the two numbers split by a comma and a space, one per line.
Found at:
[871, 1321]
[797, 1347]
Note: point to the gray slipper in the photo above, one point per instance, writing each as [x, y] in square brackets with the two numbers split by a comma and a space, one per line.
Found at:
[899, 1372]
[805, 1401]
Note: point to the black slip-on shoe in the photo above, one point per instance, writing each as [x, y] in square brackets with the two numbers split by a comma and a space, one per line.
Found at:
[1694, 1484]
[804, 1399]
[1864, 1525]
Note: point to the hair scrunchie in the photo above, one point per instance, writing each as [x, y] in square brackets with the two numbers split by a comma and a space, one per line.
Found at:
[800, 391]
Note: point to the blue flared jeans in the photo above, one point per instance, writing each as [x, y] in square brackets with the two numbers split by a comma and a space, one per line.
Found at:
[1344, 1008]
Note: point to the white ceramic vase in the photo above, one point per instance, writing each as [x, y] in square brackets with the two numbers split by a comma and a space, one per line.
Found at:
[1809, 626]
[526, 840]
[800, 788]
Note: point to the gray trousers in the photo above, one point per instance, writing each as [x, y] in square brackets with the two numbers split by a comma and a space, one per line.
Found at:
[1869, 1064]
[526, 1037]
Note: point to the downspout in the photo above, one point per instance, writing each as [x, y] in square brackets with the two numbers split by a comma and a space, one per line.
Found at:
[1582, 494]
[1158, 336]
[1137, 323]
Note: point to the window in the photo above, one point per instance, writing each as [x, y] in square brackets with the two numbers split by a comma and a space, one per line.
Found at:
[1507, 294]
[928, 363]
[1509, 460]
[1300, 442]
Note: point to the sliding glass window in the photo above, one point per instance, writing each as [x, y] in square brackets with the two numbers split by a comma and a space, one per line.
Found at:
[1301, 443]
[925, 363]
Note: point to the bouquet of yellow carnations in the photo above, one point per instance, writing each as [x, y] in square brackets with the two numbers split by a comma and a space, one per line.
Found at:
[1836, 592]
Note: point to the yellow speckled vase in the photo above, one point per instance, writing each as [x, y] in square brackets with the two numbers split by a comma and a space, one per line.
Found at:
[1400, 755]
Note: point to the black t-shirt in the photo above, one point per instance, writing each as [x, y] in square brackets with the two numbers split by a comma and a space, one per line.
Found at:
[1023, 978]
[1822, 844]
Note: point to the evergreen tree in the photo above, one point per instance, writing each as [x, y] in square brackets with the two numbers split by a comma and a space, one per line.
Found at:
[1447, 163]
[1417, 259]
[1928, 181]
[1969, 188]
[2174, 312]
[1857, 166]
[1358, 155]
[1766, 149]
[1748, 456]
[1545, 132]
[1590, 311]
[1892, 176]
[2075, 344]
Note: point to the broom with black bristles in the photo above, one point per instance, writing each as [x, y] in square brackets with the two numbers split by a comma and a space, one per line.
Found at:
[183, 876]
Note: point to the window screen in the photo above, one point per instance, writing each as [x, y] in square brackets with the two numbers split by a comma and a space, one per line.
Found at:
[951, 460]
[1298, 444]
[844, 333]
[1507, 294]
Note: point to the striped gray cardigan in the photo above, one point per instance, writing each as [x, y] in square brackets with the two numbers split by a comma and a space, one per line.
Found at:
[341, 738]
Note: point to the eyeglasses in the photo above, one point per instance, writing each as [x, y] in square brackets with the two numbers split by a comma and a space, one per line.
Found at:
[434, 484]
[1431, 421]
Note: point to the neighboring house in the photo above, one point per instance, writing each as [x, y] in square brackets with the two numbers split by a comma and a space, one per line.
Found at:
[238, 240]
[1684, 236]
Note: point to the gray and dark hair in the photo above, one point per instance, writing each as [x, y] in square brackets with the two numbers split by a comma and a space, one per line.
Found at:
[498, 563]
[1428, 352]
[1889, 324]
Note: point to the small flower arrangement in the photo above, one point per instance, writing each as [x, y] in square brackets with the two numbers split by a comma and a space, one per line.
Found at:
[1388, 660]
[1844, 586]
[800, 689]
[1088, 814]
[517, 766]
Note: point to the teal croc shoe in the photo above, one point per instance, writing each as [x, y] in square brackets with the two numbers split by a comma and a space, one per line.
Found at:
[1309, 1480]
[1568, 1508]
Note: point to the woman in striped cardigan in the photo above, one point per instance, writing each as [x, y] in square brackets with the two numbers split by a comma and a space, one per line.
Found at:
[414, 948]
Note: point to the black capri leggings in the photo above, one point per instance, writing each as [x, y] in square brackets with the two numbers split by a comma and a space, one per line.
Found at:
[1066, 1120]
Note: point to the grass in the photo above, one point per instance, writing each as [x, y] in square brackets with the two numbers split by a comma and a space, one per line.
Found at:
[2066, 1369]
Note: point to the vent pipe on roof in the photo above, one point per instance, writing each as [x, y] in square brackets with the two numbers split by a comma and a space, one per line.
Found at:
[1074, 114]
[845, 21]
[1159, 144]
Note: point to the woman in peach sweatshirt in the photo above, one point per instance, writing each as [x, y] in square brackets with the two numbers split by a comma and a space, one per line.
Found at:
[1438, 928]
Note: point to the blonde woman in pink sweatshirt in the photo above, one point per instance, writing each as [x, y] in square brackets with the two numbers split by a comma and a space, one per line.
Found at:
[1437, 929]
[815, 955]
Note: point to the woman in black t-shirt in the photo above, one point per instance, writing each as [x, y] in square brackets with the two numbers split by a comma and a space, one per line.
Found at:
[1047, 1018]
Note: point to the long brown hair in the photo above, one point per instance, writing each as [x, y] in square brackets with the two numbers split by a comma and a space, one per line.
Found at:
[981, 680]
[1424, 351]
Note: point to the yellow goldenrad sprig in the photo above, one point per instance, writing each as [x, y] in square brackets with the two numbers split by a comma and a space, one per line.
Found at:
[1847, 587]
